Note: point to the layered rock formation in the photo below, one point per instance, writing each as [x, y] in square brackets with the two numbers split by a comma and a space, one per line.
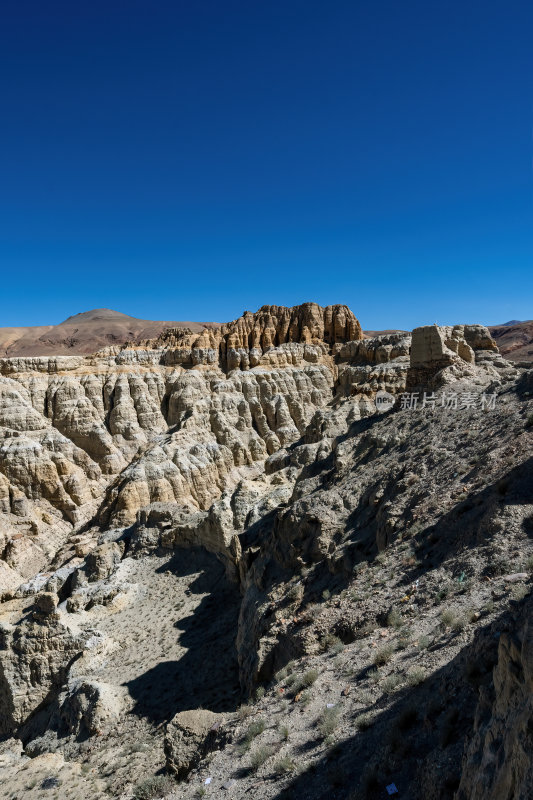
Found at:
[184, 517]
[69, 425]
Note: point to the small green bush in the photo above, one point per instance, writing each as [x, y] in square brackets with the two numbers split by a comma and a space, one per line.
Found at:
[390, 683]
[447, 617]
[337, 647]
[305, 698]
[331, 642]
[375, 676]
[309, 677]
[244, 711]
[383, 655]
[489, 607]
[458, 624]
[156, 786]
[519, 592]
[284, 766]
[365, 697]
[255, 729]
[394, 619]
[328, 721]
[259, 756]
[416, 676]
[363, 721]
[404, 641]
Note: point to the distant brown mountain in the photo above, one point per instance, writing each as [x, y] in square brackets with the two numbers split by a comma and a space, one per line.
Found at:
[371, 334]
[515, 339]
[84, 333]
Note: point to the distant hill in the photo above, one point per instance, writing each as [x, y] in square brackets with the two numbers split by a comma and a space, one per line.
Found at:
[515, 339]
[371, 334]
[84, 333]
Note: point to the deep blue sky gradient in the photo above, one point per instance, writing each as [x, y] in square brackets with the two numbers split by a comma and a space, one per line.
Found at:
[190, 160]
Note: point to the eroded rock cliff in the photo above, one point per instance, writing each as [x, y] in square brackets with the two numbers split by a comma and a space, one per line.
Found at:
[194, 521]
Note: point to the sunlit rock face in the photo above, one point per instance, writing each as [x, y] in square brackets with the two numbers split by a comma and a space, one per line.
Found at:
[177, 419]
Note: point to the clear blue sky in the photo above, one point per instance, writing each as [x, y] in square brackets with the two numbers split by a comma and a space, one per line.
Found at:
[190, 160]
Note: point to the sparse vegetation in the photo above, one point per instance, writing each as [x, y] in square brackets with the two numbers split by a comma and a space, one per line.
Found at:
[244, 711]
[394, 619]
[153, 787]
[255, 729]
[309, 677]
[259, 756]
[332, 642]
[404, 640]
[282, 673]
[458, 624]
[390, 683]
[519, 592]
[383, 655]
[337, 647]
[305, 698]
[364, 697]
[374, 676]
[284, 766]
[283, 732]
[328, 721]
[488, 608]
[298, 682]
[415, 676]
[363, 721]
[447, 617]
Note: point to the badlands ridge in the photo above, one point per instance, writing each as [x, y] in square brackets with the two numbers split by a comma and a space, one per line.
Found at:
[224, 569]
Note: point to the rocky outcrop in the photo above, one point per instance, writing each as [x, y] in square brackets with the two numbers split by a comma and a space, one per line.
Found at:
[498, 763]
[242, 343]
[435, 348]
[189, 737]
[35, 656]
[69, 425]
